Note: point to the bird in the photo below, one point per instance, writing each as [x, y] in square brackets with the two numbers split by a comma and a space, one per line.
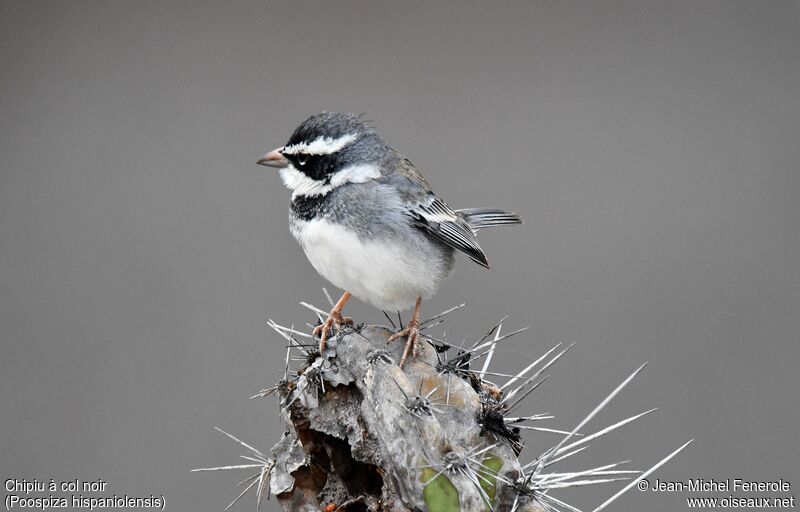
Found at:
[369, 222]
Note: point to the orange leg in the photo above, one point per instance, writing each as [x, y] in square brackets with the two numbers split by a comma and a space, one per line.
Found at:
[334, 318]
[411, 333]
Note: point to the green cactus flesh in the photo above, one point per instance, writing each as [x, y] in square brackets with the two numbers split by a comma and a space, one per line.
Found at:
[492, 465]
[440, 494]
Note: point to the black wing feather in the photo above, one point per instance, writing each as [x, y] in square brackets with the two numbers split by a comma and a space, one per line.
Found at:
[437, 219]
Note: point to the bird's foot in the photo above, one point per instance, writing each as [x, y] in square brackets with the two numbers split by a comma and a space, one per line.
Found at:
[335, 319]
[411, 333]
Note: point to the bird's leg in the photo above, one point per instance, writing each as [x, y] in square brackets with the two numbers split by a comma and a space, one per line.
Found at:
[334, 318]
[411, 333]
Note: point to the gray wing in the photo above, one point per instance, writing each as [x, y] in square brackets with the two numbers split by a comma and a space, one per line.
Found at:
[432, 215]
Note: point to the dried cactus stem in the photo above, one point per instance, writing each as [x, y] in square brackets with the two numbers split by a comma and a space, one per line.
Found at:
[389, 440]
[362, 435]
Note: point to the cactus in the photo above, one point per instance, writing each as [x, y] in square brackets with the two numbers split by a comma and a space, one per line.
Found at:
[364, 435]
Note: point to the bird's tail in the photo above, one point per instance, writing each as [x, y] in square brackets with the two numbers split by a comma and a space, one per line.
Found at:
[479, 218]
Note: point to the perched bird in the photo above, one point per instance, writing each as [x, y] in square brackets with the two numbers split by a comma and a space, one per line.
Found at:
[368, 220]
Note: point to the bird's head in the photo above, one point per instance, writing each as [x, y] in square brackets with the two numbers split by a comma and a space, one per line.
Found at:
[326, 151]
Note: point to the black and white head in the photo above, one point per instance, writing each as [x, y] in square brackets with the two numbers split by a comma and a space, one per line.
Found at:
[326, 151]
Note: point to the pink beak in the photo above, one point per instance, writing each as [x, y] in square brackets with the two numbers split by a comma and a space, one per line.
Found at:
[274, 159]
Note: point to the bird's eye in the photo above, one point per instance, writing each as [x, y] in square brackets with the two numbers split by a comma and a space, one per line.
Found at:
[302, 159]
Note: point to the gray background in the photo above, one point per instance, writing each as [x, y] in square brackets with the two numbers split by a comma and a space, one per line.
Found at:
[651, 146]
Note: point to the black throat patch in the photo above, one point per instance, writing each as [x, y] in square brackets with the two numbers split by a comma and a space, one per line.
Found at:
[306, 207]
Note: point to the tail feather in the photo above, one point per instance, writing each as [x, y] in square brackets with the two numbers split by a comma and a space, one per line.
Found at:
[479, 218]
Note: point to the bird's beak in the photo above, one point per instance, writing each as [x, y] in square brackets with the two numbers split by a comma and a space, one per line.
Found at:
[274, 159]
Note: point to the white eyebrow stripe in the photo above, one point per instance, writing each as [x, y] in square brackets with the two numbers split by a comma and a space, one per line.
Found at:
[320, 145]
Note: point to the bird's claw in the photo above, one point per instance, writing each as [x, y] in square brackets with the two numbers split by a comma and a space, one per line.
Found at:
[411, 333]
[335, 318]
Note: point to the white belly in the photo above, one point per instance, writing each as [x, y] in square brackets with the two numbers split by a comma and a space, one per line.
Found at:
[385, 274]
